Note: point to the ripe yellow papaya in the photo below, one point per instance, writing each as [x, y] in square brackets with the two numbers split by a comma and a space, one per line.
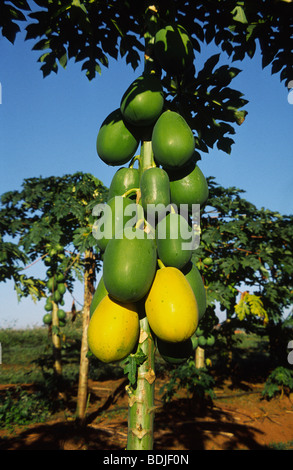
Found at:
[171, 307]
[143, 101]
[116, 142]
[172, 140]
[113, 330]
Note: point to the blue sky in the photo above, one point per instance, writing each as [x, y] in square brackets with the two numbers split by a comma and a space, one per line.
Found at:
[49, 127]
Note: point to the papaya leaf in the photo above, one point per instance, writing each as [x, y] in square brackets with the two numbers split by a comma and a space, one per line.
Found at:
[131, 363]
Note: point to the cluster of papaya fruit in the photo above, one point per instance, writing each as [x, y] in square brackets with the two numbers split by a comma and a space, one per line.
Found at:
[147, 268]
[55, 285]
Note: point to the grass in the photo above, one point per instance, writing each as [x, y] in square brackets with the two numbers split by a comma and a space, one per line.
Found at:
[25, 353]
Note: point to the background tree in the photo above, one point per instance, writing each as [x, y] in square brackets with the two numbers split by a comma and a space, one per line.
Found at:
[245, 257]
[51, 219]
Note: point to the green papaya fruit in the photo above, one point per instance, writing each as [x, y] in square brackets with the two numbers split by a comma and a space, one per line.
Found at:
[188, 186]
[172, 140]
[61, 314]
[123, 180]
[49, 305]
[47, 319]
[194, 278]
[202, 341]
[210, 340]
[99, 294]
[60, 277]
[114, 217]
[129, 265]
[194, 341]
[56, 296]
[199, 332]
[52, 284]
[173, 49]
[155, 193]
[61, 287]
[175, 353]
[116, 142]
[143, 101]
[174, 240]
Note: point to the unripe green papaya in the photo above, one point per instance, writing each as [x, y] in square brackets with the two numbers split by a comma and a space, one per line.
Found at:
[172, 140]
[194, 278]
[116, 142]
[99, 294]
[129, 265]
[52, 284]
[175, 353]
[174, 240]
[61, 314]
[56, 296]
[173, 49]
[202, 341]
[60, 277]
[49, 305]
[194, 341]
[61, 287]
[188, 186]
[155, 193]
[47, 319]
[210, 340]
[113, 219]
[123, 180]
[143, 101]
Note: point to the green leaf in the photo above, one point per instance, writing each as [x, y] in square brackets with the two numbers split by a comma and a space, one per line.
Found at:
[131, 363]
[239, 14]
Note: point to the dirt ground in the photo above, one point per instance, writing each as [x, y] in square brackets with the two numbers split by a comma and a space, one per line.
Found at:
[236, 420]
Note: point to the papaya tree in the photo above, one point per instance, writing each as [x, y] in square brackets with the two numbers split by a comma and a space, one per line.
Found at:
[245, 257]
[168, 38]
[49, 221]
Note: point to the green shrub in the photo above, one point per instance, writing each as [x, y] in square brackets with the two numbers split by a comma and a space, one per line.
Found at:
[197, 382]
[21, 407]
[280, 381]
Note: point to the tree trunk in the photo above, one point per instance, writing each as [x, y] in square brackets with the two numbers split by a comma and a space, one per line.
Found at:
[89, 277]
[199, 357]
[141, 398]
[56, 340]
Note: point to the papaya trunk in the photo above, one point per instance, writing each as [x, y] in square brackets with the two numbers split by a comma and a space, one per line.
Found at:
[89, 276]
[56, 340]
[141, 398]
[199, 357]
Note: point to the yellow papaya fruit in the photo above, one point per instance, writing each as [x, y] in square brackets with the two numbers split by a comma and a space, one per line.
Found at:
[113, 330]
[171, 307]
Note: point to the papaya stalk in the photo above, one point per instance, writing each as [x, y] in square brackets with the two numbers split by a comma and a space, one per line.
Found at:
[141, 397]
[56, 342]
